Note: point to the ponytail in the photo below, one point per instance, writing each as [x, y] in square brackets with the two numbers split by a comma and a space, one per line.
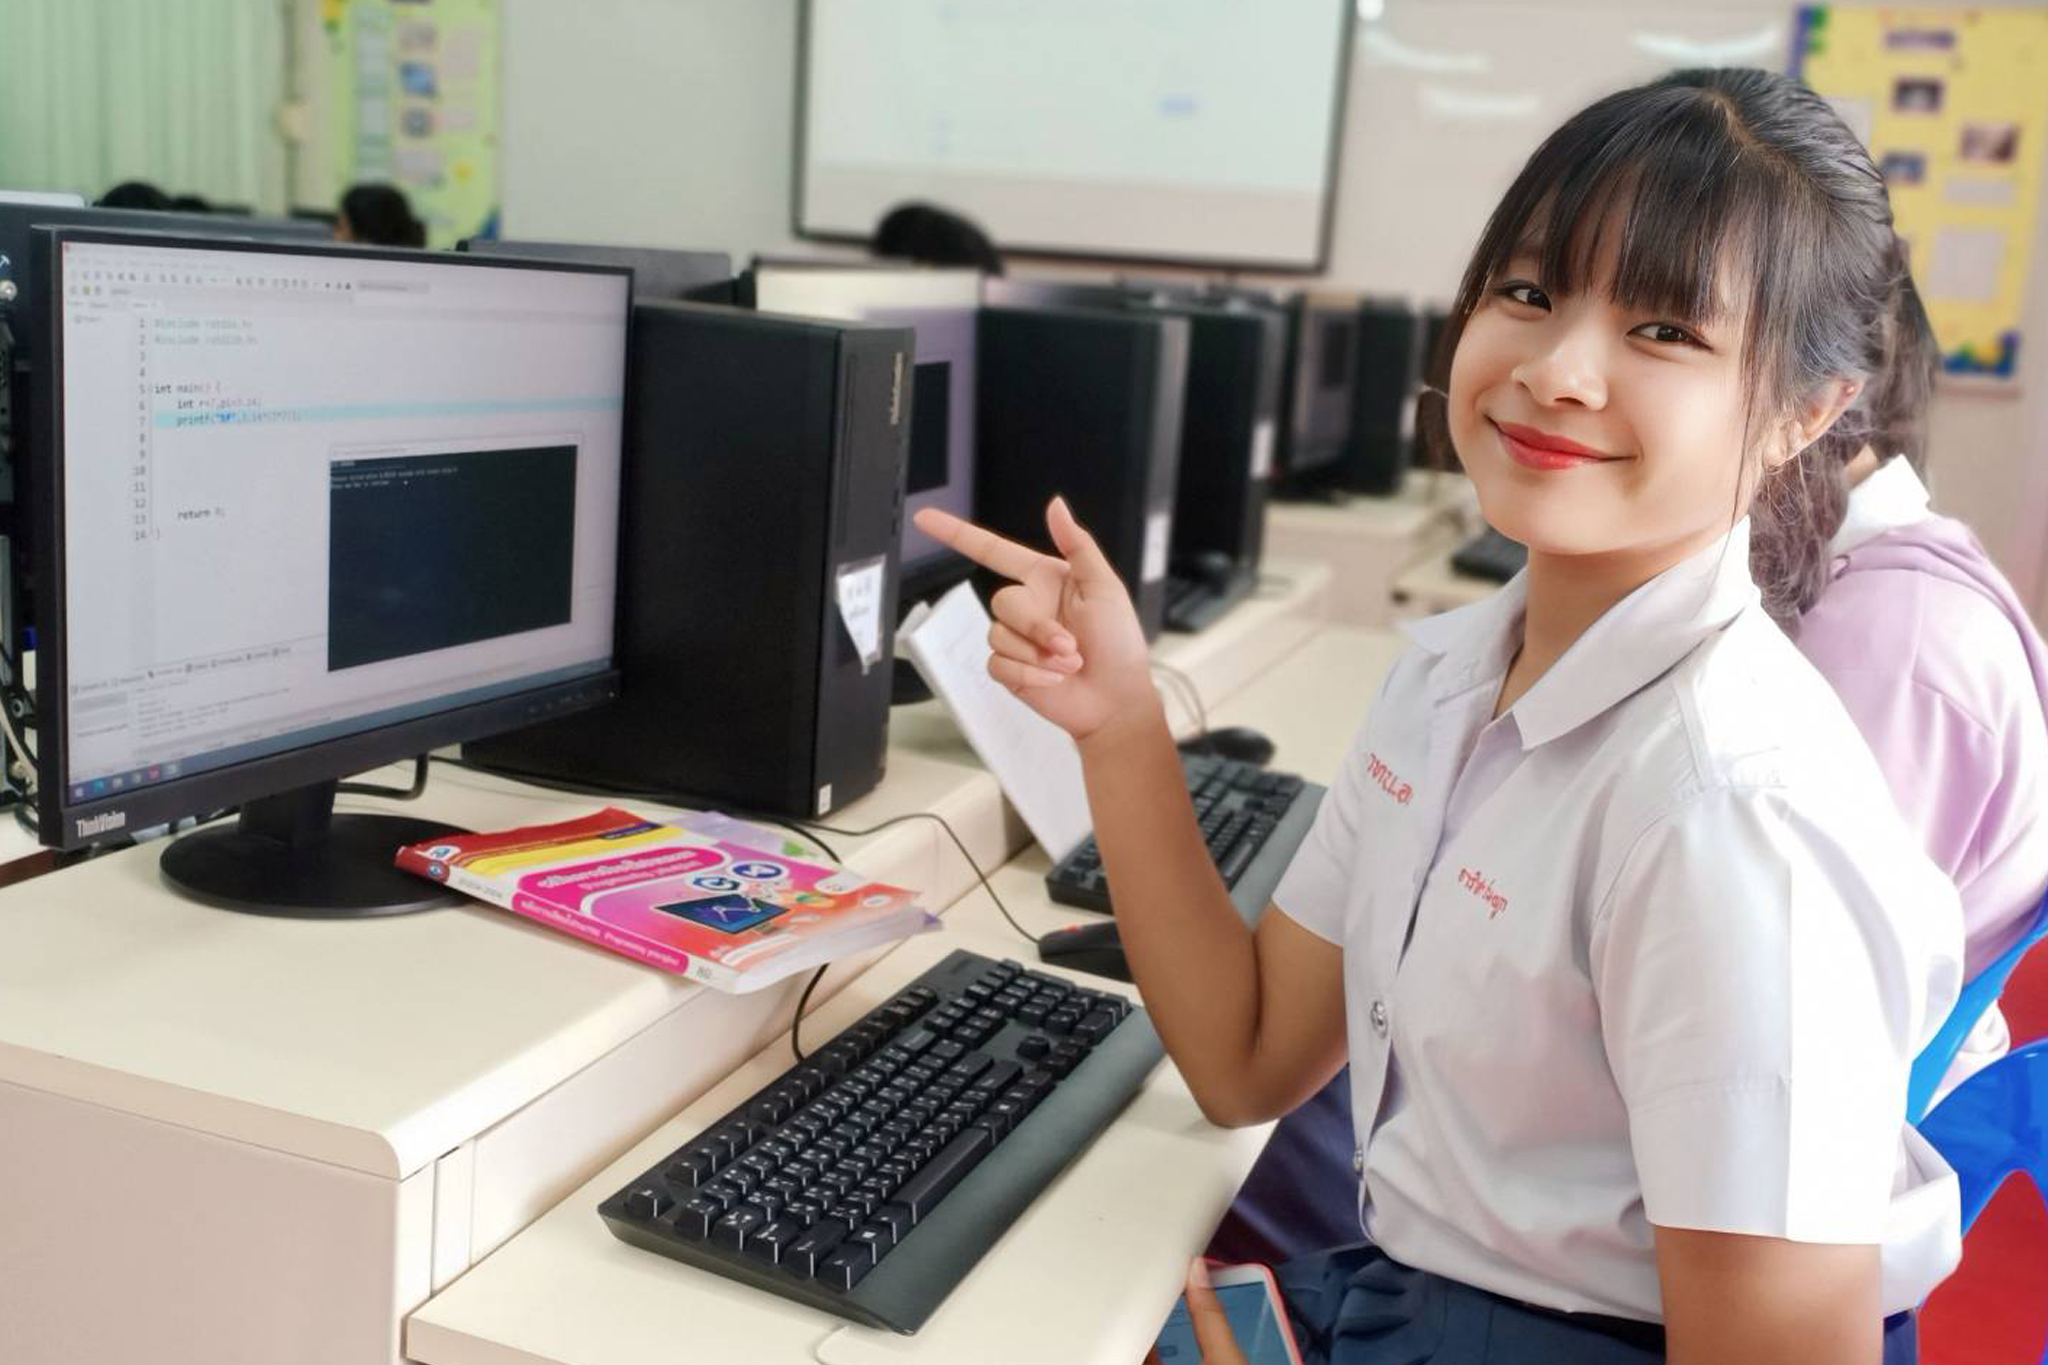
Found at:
[1801, 504]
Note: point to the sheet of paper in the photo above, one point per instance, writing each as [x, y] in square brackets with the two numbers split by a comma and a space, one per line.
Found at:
[859, 590]
[1158, 537]
[1034, 760]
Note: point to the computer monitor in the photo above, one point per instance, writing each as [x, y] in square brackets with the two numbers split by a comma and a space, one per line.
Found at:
[659, 273]
[310, 510]
[942, 306]
[18, 463]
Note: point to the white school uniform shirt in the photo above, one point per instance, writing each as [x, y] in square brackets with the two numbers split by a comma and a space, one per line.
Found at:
[1653, 947]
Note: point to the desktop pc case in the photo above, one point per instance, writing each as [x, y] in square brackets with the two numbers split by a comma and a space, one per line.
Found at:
[1387, 378]
[1085, 405]
[763, 495]
[1231, 417]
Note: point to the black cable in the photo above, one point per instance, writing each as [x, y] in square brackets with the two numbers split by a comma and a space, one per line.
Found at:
[980, 876]
[412, 793]
[796, 1025]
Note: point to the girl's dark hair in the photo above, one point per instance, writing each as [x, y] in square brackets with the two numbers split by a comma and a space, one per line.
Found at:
[930, 235]
[1736, 191]
[380, 215]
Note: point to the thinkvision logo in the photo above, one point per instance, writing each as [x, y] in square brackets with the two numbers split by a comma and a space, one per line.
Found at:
[104, 823]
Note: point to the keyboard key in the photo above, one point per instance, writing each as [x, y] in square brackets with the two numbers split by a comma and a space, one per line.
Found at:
[877, 1237]
[649, 1203]
[694, 1219]
[896, 1218]
[998, 1077]
[770, 1240]
[847, 1266]
[688, 1172]
[936, 1179]
[732, 1231]
[1034, 1047]
[804, 1255]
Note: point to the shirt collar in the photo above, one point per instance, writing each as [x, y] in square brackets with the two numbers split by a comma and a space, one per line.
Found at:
[1636, 640]
[1891, 497]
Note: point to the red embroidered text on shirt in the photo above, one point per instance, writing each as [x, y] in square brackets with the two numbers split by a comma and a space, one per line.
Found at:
[1476, 882]
[1389, 783]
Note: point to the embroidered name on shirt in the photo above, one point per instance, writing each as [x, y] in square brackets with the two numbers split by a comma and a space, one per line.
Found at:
[1477, 883]
[1389, 783]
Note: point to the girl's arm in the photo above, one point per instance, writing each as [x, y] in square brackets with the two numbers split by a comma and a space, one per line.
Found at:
[1255, 1021]
[1767, 1301]
[1067, 642]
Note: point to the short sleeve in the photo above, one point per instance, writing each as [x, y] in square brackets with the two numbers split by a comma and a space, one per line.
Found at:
[1765, 977]
[1315, 890]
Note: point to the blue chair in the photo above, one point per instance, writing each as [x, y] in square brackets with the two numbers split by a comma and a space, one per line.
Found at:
[1978, 995]
[1995, 1125]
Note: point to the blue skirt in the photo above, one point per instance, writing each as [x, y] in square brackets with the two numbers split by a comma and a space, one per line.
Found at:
[1355, 1306]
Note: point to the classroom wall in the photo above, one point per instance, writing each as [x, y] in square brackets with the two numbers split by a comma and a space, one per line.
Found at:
[669, 122]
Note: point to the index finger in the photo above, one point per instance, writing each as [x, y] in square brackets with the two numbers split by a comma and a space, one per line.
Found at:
[979, 544]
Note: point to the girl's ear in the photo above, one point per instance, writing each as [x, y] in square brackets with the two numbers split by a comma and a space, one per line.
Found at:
[1810, 420]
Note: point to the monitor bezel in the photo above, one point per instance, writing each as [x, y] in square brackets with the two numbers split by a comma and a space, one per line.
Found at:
[61, 820]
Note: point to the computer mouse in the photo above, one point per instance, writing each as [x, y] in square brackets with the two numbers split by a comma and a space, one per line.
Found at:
[1240, 742]
[1095, 948]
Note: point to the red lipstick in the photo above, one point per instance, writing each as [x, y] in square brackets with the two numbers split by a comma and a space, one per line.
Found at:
[1533, 449]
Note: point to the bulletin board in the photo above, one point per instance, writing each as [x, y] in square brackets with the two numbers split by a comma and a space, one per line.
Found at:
[1953, 105]
[413, 86]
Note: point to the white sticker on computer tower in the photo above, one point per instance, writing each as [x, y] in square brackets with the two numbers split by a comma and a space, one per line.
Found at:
[1158, 536]
[858, 588]
[824, 800]
[1262, 448]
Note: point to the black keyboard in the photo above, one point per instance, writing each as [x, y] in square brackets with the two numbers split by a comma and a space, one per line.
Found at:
[1194, 604]
[1490, 555]
[868, 1180]
[1242, 807]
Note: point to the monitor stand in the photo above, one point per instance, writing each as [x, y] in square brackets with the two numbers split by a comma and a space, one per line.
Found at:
[291, 855]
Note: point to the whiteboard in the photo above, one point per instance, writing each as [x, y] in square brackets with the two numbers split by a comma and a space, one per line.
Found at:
[1197, 131]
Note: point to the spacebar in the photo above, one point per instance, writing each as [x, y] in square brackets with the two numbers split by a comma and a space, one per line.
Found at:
[949, 1167]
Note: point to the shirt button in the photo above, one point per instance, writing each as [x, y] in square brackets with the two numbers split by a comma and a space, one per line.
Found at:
[1379, 1017]
[1358, 1161]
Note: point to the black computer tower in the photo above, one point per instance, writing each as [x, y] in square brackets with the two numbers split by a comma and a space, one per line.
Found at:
[1086, 405]
[1229, 435]
[1315, 414]
[1388, 371]
[763, 485]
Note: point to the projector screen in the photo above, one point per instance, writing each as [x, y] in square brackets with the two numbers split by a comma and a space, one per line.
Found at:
[1198, 131]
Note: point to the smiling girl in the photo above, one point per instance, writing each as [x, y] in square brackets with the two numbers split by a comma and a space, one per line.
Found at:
[1630, 982]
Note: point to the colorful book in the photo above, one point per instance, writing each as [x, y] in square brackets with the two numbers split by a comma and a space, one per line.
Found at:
[691, 900]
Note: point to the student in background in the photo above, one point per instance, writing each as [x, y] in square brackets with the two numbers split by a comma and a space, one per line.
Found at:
[136, 194]
[1625, 941]
[1939, 666]
[378, 215]
[930, 235]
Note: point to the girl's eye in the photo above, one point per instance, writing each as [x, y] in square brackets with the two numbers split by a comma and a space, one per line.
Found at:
[1668, 334]
[1524, 293]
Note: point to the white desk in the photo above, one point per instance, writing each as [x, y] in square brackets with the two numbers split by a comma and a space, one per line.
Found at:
[1368, 542]
[1088, 1272]
[269, 1140]
[1432, 585]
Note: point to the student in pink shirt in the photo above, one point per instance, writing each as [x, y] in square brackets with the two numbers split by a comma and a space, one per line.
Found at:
[1938, 664]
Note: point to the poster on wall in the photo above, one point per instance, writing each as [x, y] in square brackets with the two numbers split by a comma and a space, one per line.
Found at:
[414, 85]
[1953, 105]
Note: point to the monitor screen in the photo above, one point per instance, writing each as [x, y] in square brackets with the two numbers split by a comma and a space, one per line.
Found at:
[941, 306]
[306, 496]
